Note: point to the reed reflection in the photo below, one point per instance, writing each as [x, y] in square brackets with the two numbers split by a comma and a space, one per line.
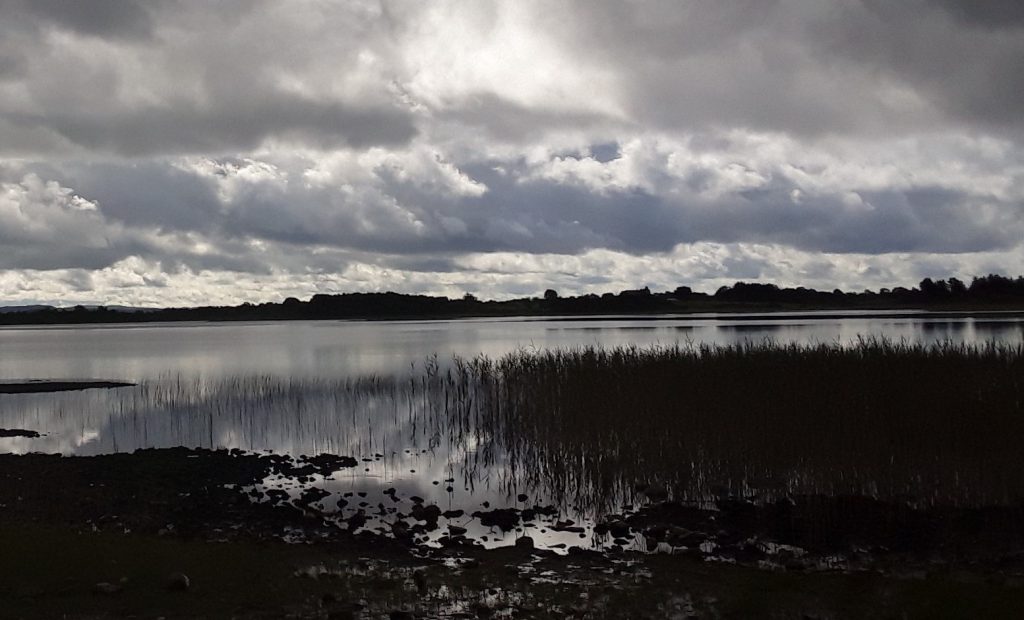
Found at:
[588, 428]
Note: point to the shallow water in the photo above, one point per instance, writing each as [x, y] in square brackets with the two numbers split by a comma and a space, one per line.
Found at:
[339, 349]
[362, 389]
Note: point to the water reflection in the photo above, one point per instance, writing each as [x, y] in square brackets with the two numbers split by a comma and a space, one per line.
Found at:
[461, 434]
[332, 349]
[578, 428]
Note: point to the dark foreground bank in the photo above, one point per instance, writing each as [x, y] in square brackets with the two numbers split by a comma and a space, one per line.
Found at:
[113, 536]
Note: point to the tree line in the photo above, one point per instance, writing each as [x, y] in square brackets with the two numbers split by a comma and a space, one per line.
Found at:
[985, 292]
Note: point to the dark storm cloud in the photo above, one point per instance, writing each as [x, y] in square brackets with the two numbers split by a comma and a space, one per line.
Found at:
[915, 220]
[988, 13]
[807, 67]
[918, 220]
[102, 18]
[961, 58]
[188, 129]
[159, 78]
[412, 137]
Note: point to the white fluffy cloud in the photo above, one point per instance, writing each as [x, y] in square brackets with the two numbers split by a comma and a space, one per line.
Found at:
[175, 153]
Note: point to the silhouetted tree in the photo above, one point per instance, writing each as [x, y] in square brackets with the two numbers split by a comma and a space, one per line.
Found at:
[957, 288]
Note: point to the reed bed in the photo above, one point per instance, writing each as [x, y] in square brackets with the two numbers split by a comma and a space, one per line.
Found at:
[934, 424]
[938, 424]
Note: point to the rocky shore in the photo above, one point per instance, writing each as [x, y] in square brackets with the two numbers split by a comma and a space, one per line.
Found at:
[149, 534]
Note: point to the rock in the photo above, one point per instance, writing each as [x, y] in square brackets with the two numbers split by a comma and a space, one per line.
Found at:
[419, 577]
[619, 529]
[356, 521]
[428, 514]
[178, 582]
[401, 614]
[548, 511]
[525, 542]
[107, 589]
[504, 519]
[679, 536]
[567, 526]
[311, 495]
[18, 432]
[400, 530]
[277, 495]
[329, 463]
[657, 532]
[656, 493]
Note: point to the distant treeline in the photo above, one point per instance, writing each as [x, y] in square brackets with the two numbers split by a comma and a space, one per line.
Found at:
[987, 292]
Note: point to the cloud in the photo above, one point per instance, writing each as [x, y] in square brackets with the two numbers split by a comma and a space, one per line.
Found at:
[137, 79]
[100, 18]
[150, 146]
[987, 13]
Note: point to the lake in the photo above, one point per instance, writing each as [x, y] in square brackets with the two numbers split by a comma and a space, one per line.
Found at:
[372, 390]
[333, 349]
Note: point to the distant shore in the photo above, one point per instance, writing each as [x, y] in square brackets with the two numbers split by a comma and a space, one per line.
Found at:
[988, 294]
[732, 312]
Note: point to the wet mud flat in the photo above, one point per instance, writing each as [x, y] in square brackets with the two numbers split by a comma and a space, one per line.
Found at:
[105, 536]
[19, 432]
[35, 386]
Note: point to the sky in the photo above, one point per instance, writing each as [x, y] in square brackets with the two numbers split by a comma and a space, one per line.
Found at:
[174, 152]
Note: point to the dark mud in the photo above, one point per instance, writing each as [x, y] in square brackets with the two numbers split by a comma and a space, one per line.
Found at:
[18, 432]
[217, 494]
[43, 385]
[189, 492]
[132, 519]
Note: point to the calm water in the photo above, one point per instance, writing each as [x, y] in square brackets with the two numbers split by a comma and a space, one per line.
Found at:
[353, 388]
[329, 349]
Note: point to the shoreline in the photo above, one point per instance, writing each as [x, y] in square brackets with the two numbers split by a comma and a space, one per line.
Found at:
[161, 511]
[701, 315]
[39, 386]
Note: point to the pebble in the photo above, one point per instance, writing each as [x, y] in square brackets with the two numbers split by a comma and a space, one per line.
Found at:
[178, 582]
[524, 542]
